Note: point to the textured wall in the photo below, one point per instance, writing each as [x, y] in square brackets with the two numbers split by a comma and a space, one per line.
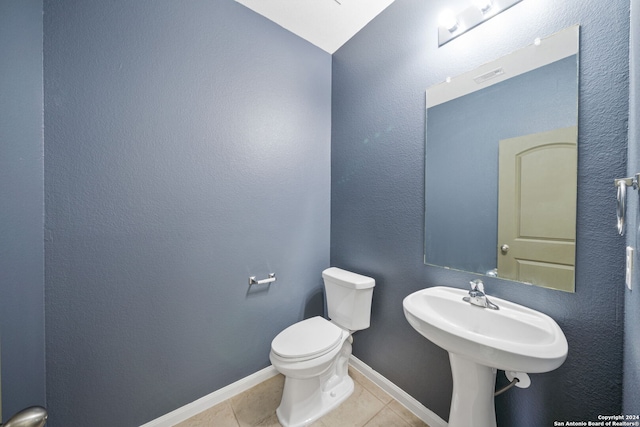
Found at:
[631, 386]
[379, 81]
[21, 206]
[186, 149]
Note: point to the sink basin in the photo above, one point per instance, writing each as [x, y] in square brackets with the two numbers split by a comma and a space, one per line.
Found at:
[513, 338]
[480, 341]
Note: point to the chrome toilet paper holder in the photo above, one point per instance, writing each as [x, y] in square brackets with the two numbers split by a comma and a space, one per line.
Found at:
[270, 278]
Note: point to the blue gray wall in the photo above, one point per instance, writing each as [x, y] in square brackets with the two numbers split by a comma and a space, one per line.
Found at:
[631, 385]
[378, 132]
[21, 206]
[187, 147]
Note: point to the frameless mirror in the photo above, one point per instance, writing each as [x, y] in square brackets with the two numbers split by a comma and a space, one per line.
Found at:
[501, 166]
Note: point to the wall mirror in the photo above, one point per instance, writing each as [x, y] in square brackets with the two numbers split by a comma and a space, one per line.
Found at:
[501, 166]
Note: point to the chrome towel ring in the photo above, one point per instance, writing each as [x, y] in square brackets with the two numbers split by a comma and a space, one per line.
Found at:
[621, 198]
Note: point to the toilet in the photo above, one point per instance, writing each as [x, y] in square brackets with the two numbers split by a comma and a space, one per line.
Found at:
[313, 354]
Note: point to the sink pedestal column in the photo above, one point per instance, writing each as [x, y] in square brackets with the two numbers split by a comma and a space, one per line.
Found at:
[472, 402]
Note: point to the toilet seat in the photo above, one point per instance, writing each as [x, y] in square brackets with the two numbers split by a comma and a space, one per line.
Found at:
[307, 339]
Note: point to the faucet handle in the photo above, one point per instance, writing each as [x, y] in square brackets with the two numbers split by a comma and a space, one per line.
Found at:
[477, 285]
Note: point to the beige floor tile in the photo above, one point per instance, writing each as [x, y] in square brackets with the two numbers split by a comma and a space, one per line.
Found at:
[406, 414]
[359, 408]
[270, 421]
[218, 416]
[369, 385]
[368, 406]
[259, 403]
[387, 418]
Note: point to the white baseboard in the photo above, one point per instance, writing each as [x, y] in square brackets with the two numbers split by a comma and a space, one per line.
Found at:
[219, 396]
[211, 400]
[417, 408]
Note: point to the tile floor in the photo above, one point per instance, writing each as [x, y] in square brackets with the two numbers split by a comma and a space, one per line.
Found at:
[368, 406]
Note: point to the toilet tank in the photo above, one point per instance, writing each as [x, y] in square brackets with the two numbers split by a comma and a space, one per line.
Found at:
[348, 298]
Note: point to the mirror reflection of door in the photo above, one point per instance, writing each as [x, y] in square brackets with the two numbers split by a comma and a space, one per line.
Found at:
[536, 208]
[531, 90]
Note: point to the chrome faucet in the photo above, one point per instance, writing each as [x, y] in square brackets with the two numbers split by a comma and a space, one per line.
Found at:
[478, 297]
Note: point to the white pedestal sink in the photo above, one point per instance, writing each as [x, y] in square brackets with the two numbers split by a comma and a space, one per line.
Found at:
[480, 341]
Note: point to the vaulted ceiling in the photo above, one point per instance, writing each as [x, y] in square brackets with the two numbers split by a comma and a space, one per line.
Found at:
[327, 24]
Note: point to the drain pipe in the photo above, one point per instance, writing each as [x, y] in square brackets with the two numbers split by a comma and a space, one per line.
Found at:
[35, 416]
[518, 379]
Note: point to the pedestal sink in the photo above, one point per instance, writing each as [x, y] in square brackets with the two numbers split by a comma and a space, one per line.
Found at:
[480, 341]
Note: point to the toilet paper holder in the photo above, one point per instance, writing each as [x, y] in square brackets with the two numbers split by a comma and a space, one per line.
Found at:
[270, 278]
[621, 198]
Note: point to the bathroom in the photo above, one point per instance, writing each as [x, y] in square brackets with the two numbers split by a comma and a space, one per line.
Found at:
[155, 154]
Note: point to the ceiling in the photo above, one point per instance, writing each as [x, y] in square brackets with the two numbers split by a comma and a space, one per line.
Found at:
[327, 24]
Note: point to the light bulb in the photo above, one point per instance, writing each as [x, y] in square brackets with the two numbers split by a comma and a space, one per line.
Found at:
[447, 19]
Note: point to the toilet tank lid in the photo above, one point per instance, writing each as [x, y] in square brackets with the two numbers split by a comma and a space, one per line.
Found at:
[348, 279]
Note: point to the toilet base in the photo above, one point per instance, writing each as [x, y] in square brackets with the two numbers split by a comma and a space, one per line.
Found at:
[304, 401]
[313, 388]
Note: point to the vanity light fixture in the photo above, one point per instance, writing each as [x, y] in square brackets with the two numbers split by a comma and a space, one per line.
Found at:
[451, 26]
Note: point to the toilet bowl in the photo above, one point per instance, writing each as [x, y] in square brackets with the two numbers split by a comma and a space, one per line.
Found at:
[313, 354]
[308, 366]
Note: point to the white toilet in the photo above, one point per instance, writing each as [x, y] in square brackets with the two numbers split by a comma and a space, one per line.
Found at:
[313, 354]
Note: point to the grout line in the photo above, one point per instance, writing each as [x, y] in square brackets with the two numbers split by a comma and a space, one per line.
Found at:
[228, 402]
[384, 405]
